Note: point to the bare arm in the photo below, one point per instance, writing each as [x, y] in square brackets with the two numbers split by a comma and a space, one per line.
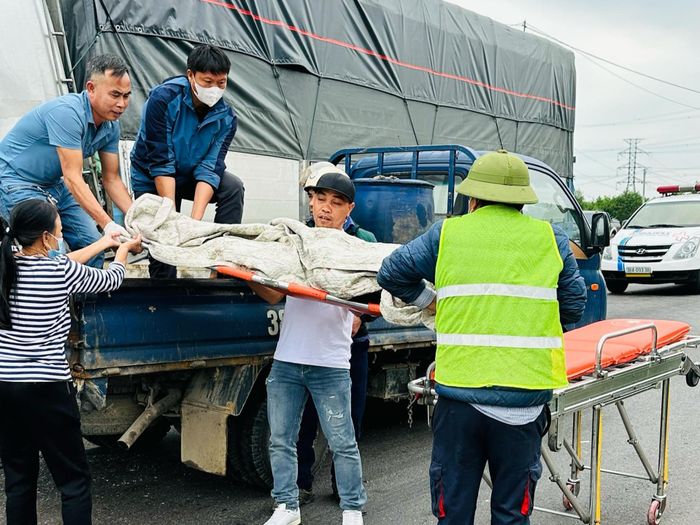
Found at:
[356, 323]
[85, 254]
[165, 186]
[72, 168]
[270, 295]
[203, 193]
[112, 182]
[132, 245]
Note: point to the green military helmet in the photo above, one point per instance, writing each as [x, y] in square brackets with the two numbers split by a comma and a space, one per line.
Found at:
[499, 176]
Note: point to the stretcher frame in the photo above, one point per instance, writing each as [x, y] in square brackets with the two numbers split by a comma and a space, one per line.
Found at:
[594, 391]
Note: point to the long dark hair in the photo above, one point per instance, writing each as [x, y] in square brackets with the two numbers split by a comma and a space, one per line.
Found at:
[28, 221]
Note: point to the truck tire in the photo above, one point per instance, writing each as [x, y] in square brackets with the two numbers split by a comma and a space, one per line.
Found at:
[150, 438]
[616, 286]
[249, 446]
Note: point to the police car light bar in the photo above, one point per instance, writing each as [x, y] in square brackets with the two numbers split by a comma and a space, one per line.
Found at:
[666, 190]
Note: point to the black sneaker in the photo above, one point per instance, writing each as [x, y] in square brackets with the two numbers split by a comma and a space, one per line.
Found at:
[305, 496]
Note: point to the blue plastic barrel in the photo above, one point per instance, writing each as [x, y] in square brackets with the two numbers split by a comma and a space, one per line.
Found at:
[395, 210]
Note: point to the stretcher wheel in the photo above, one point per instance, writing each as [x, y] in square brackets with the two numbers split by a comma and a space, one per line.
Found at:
[656, 509]
[691, 378]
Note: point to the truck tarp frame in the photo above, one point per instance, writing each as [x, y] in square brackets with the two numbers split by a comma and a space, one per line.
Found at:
[310, 77]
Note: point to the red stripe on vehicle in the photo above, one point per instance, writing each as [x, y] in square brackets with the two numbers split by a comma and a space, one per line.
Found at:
[370, 52]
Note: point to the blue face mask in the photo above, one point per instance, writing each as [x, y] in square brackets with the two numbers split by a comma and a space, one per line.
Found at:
[60, 249]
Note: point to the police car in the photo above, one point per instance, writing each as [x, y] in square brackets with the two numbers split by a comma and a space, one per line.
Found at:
[658, 244]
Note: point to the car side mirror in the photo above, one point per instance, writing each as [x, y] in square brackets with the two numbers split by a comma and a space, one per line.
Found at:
[600, 230]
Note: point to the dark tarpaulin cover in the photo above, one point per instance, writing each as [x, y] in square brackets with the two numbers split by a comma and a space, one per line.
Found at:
[309, 77]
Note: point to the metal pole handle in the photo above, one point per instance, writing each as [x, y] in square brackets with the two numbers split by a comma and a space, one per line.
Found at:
[599, 349]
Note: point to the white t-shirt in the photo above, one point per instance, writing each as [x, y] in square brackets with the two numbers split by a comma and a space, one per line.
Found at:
[315, 333]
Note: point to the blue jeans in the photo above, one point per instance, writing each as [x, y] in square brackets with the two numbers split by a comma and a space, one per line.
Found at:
[359, 364]
[288, 388]
[79, 230]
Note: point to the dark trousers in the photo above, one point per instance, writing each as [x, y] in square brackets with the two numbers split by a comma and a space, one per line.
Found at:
[464, 440]
[309, 421]
[229, 210]
[43, 417]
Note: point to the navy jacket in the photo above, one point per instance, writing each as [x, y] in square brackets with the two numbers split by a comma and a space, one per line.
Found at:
[173, 142]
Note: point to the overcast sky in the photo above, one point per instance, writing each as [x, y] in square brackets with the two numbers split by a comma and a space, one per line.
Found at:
[660, 39]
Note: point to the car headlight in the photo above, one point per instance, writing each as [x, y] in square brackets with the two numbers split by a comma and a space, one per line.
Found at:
[688, 249]
[607, 253]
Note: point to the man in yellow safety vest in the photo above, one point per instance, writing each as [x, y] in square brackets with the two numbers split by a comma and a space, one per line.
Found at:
[505, 283]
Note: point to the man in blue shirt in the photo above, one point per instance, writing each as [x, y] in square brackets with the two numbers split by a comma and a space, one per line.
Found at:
[42, 155]
[180, 152]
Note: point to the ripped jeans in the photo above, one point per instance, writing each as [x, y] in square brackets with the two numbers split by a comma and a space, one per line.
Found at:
[288, 388]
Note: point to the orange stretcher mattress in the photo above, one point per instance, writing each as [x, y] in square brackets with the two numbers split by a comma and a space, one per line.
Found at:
[580, 344]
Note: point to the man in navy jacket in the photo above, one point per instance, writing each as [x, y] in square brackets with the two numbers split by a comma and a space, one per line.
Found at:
[186, 129]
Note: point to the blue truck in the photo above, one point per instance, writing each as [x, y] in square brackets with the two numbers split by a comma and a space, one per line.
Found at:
[193, 353]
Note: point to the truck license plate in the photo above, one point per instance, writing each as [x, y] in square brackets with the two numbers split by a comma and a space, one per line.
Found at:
[633, 269]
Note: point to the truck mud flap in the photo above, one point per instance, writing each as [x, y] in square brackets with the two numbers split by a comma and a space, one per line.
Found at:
[212, 396]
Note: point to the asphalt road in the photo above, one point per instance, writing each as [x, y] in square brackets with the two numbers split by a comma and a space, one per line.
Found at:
[157, 488]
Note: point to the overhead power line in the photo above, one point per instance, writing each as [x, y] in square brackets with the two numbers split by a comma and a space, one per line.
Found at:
[645, 75]
[666, 117]
[607, 70]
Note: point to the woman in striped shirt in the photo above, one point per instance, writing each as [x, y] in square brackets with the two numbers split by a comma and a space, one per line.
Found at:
[38, 409]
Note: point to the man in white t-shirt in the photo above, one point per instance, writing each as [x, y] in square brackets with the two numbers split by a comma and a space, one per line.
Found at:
[313, 358]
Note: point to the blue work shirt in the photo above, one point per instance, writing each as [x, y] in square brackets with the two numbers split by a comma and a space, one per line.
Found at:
[174, 142]
[28, 151]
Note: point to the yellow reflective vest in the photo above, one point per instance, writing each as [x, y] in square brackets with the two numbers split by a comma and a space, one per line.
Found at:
[497, 318]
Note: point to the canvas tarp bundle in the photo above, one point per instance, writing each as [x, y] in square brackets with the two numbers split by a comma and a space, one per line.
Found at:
[312, 77]
[285, 250]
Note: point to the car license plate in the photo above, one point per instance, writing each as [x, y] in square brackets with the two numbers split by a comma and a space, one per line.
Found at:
[634, 269]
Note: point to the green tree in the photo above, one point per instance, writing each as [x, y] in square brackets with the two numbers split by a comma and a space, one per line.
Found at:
[620, 206]
[586, 205]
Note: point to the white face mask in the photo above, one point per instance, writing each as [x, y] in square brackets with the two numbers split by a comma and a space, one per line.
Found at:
[208, 96]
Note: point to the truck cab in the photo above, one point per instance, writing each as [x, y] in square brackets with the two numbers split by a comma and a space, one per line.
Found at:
[658, 243]
[401, 191]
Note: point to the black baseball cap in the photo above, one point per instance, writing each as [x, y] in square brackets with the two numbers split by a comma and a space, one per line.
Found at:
[326, 176]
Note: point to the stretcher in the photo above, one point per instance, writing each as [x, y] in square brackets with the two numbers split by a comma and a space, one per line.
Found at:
[298, 290]
[607, 362]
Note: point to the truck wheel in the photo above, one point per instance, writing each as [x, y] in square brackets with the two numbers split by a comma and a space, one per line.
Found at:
[616, 286]
[249, 446]
[150, 438]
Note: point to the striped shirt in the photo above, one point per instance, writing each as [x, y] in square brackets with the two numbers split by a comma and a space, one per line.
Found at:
[34, 349]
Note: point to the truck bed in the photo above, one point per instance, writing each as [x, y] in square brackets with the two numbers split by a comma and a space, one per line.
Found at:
[150, 325]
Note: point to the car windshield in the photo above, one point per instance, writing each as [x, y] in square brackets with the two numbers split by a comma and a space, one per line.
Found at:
[554, 206]
[671, 214]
